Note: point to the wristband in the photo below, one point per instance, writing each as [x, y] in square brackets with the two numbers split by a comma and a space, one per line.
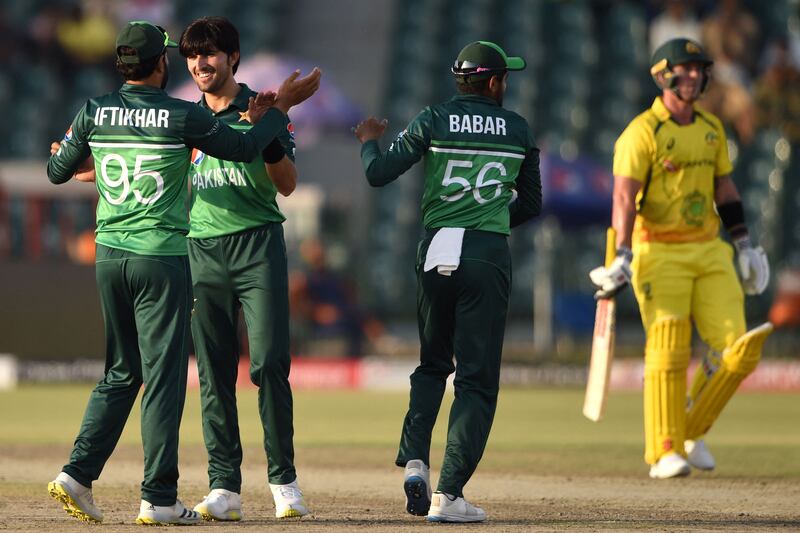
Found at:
[624, 251]
[732, 216]
[274, 152]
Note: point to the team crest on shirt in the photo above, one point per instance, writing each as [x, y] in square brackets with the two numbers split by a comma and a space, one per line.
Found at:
[68, 134]
[290, 129]
[693, 209]
[712, 137]
[197, 156]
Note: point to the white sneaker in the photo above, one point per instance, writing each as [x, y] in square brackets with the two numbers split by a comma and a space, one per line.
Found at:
[220, 504]
[156, 515]
[76, 499]
[289, 501]
[417, 486]
[698, 455]
[446, 508]
[670, 465]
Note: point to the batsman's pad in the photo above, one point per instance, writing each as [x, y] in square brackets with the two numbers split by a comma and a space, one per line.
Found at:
[737, 362]
[666, 358]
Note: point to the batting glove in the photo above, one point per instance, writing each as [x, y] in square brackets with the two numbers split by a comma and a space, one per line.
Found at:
[615, 277]
[753, 266]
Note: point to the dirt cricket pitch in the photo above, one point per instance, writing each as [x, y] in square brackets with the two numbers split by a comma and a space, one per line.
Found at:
[522, 486]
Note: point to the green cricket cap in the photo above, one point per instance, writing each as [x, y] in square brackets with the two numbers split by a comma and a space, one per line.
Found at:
[146, 39]
[484, 58]
[677, 52]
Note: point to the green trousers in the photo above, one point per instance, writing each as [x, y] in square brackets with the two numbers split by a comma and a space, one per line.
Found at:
[246, 270]
[461, 315]
[145, 305]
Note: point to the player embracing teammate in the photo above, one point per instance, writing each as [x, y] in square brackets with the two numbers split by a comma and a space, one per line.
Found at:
[135, 143]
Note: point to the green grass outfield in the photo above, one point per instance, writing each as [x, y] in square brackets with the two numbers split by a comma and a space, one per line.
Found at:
[537, 431]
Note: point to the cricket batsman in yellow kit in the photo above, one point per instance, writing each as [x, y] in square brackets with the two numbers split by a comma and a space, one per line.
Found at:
[672, 188]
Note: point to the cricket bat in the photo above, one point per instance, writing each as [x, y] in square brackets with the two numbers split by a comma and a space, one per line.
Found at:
[594, 403]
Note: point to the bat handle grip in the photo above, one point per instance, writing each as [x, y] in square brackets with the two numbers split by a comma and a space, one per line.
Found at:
[611, 245]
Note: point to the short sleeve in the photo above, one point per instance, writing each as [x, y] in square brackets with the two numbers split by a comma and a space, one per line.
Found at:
[723, 163]
[633, 152]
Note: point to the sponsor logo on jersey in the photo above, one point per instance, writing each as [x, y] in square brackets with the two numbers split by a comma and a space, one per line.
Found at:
[669, 166]
[197, 156]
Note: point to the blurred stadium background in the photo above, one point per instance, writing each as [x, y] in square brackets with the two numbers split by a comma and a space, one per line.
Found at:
[351, 248]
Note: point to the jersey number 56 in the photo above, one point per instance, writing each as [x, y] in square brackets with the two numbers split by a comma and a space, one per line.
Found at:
[480, 182]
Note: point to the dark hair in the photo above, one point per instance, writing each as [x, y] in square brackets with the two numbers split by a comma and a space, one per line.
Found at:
[207, 35]
[475, 87]
[136, 71]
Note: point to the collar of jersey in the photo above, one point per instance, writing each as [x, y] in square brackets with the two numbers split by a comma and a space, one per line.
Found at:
[476, 98]
[661, 112]
[241, 101]
[141, 88]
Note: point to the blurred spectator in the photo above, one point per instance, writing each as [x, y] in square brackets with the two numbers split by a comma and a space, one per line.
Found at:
[42, 34]
[323, 305]
[732, 33]
[88, 33]
[785, 310]
[730, 100]
[777, 92]
[160, 11]
[81, 248]
[677, 20]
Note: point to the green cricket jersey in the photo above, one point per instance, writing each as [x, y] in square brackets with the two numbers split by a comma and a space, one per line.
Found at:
[475, 153]
[141, 139]
[229, 196]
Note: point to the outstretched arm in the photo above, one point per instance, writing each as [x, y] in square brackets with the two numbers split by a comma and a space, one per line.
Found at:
[409, 147]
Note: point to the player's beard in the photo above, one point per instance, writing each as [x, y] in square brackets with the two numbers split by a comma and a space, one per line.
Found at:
[218, 81]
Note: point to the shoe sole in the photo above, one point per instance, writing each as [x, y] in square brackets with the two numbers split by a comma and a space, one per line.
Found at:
[233, 515]
[145, 521]
[682, 473]
[72, 508]
[230, 516]
[417, 501]
[453, 519]
[291, 513]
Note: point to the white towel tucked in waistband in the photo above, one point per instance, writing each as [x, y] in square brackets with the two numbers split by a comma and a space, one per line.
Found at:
[445, 251]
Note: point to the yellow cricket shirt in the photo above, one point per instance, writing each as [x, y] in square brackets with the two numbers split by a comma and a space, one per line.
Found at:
[677, 166]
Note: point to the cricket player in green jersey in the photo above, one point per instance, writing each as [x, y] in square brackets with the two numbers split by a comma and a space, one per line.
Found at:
[237, 257]
[481, 178]
[140, 140]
